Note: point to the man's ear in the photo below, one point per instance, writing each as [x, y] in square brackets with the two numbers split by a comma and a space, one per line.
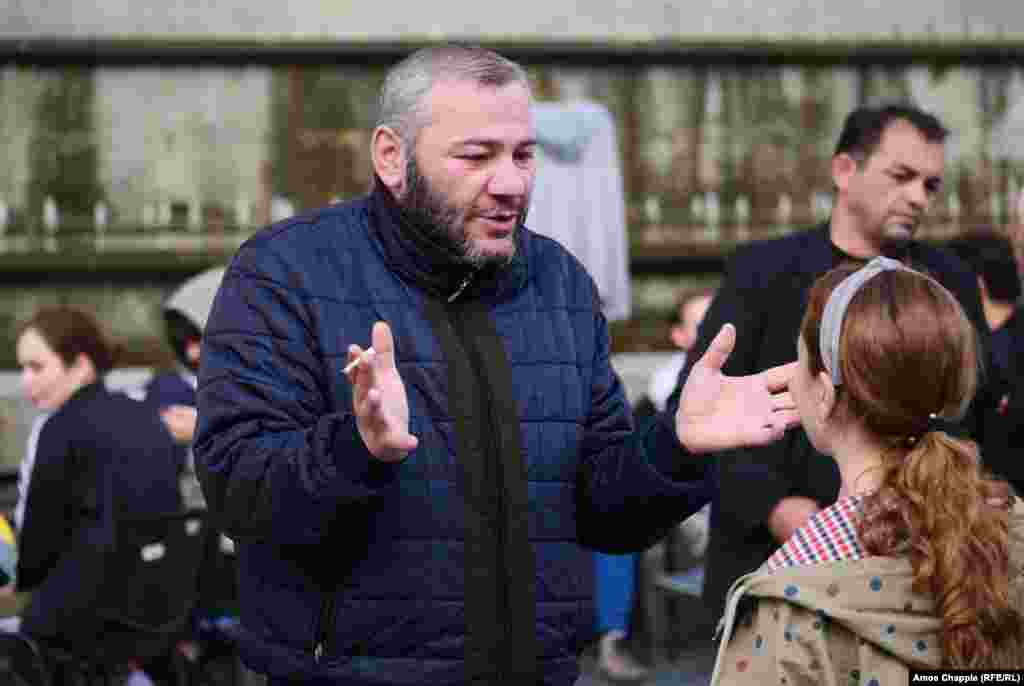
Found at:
[843, 169]
[389, 161]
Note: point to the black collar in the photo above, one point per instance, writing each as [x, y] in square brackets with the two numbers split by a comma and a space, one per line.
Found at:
[907, 252]
[411, 251]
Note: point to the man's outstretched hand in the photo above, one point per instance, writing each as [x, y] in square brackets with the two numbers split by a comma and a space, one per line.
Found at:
[378, 396]
[718, 412]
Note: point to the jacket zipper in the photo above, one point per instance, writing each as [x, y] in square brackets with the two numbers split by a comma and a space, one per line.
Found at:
[324, 625]
[725, 625]
[462, 286]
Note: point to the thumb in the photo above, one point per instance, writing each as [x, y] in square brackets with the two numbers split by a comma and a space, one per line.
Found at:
[383, 342]
[720, 349]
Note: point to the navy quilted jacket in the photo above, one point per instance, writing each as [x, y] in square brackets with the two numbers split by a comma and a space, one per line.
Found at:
[353, 571]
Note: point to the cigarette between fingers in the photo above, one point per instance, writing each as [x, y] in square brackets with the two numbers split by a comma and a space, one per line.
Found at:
[355, 363]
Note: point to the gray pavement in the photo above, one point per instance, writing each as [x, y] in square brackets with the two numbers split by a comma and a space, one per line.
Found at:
[690, 665]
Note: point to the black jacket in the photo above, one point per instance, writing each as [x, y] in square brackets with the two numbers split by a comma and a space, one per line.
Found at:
[1004, 422]
[764, 293]
[100, 456]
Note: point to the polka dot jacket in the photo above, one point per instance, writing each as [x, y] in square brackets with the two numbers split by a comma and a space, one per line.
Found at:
[837, 622]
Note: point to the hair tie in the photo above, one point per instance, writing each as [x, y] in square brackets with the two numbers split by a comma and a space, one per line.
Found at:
[950, 427]
[835, 311]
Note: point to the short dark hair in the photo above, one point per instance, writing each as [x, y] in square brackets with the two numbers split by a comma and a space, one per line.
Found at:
[180, 332]
[70, 332]
[990, 256]
[864, 126]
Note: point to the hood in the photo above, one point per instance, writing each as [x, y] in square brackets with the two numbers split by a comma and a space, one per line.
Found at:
[873, 598]
[565, 129]
[194, 298]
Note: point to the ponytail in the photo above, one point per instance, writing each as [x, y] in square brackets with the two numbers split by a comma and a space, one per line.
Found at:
[937, 507]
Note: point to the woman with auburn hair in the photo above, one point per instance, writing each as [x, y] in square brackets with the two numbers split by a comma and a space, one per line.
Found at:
[918, 564]
[97, 457]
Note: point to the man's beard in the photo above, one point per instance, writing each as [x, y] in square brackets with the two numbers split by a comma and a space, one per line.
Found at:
[444, 223]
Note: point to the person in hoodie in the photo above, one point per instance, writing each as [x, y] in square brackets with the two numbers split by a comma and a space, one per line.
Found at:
[416, 514]
[173, 392]
[918, 564]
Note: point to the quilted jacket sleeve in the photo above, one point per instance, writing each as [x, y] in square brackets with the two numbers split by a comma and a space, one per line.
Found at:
[634, 485]
[275, 462]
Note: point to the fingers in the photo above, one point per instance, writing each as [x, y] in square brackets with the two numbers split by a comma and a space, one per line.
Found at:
[378, 396]
[352, 359]
[783, 401]
[380, 353]
[383, 342]
[785, 419]
[778, 424]
[720, 349]
[777, 378]
[394, 438]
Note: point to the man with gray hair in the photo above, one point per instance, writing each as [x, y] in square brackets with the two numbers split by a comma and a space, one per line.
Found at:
[411, 511]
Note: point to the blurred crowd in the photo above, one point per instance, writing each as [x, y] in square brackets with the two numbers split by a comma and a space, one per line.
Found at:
[890, 516]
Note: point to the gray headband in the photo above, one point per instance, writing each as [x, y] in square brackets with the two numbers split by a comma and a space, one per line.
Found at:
[835, 310]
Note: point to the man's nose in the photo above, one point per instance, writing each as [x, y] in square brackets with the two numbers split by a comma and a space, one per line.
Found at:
[510, 178]
[918, 195]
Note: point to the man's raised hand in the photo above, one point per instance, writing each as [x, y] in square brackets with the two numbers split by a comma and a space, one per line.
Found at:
[379, 399]
[718, 412]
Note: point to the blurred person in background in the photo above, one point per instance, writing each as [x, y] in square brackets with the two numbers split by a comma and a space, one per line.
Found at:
[918, 564]
[887, 170]
[1007, 344]
[689, 311]
[98, 456]
[172, 393]
[617, 581]
[991, 255]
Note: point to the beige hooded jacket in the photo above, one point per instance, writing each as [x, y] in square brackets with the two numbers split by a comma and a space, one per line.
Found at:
[844, 623]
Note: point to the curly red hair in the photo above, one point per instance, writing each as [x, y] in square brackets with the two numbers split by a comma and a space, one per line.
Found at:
[906, 351]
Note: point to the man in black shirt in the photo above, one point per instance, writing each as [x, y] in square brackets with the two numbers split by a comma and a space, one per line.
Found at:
[887, 170]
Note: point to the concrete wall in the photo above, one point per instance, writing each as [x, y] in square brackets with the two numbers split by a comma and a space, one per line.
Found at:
[607, 20]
